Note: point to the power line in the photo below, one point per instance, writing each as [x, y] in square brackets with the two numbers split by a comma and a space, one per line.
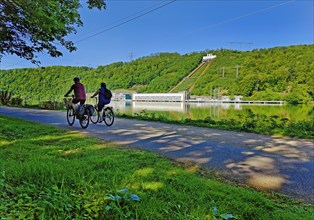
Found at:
[119, 20]
[241, 16]
[168, 3]
[131, 56]
[122, 23]
[241, 43]
[127, 21]
[230, 67]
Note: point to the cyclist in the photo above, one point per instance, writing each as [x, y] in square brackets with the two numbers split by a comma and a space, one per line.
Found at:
[79, 93]
[101, 97]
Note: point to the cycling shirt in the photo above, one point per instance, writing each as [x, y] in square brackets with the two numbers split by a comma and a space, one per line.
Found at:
[79, 91]
[101, 96]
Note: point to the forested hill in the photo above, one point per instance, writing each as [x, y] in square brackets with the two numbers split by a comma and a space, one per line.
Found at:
[155, 73]
[281, 73]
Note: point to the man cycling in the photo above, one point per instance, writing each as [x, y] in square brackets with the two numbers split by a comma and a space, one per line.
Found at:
[79, 93]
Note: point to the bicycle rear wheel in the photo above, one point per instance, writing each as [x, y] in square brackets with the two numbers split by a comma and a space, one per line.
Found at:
[108, 116]
[70, 116]
[84, 119]
[94, 117]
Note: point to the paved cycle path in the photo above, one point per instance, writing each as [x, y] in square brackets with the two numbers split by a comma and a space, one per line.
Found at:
[280, 164]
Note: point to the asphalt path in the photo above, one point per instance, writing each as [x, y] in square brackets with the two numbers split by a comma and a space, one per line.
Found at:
[279, 164]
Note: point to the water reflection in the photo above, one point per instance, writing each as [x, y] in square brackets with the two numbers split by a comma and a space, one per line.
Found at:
[170, 106]
[160, 106]
[215, 110]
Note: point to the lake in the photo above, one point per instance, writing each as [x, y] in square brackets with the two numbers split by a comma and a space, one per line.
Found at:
[180, 110]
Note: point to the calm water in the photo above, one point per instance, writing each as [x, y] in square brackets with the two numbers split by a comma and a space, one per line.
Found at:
[214, 110]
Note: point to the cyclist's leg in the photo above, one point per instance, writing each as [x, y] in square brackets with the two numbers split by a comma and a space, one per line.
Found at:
[82, 101]
[74, 102]
[80, 105]
[100, 107]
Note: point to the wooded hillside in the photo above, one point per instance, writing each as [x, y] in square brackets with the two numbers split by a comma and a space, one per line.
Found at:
[281, 73]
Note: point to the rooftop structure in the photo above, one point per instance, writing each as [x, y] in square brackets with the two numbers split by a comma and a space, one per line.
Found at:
[160, 97]
[208, 57]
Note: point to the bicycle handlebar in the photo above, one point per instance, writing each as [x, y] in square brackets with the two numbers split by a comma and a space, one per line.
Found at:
[67, 96]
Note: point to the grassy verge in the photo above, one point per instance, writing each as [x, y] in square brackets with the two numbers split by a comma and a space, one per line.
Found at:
[251, 122]
[49, 173]
[255, 123]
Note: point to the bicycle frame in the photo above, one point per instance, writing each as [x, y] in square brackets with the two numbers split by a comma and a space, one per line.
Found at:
[106, 114]
[72, 113]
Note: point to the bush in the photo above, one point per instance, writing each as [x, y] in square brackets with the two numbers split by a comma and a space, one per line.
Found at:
[52, 105]
[300, 129]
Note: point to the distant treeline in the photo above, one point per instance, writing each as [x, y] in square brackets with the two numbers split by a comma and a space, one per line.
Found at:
[280, 73]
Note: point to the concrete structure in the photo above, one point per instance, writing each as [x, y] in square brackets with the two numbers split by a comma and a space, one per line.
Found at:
[160, 97]
[238, 98]
[121, 96]
[208, 57]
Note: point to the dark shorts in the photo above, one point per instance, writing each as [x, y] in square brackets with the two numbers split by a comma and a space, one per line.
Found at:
[81, 101]
[100, 106]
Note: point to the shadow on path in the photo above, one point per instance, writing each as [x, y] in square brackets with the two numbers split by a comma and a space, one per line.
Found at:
[280, 164]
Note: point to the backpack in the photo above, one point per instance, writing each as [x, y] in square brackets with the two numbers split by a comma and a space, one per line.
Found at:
[108, 94]
[90, 108]
[81, 110]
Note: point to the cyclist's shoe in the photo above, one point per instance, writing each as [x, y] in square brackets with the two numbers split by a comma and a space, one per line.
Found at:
[100, 120]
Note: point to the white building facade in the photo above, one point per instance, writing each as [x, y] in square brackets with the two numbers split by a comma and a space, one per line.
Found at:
[159, 97]
[208, 57]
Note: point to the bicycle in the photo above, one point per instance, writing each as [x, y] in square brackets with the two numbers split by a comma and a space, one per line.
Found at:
[82, 113]
[107, 115]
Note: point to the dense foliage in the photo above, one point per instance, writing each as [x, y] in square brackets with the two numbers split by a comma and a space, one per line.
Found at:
[280, 73]
[31, 26]
[156, 73]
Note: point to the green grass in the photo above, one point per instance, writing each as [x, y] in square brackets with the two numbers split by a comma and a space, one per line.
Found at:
[49, 173]
[254, 123]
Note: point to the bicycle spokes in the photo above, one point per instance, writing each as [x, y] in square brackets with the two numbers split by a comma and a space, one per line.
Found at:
[108, 116]
[70, 116]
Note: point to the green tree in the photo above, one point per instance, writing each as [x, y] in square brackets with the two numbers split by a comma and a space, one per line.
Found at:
[31, 26]
[290, 79]
[298, 94]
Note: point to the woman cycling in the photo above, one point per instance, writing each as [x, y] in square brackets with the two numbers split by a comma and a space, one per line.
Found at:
[103, 97]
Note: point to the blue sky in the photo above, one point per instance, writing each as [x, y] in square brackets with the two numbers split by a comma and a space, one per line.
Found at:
[132, 29]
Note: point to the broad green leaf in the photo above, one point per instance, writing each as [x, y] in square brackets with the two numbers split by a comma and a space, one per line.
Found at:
[135, 197]
[227, 216]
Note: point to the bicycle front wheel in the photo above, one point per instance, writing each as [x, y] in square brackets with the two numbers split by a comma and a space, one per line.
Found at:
[108, 116]
[70, 116]
[84, 119]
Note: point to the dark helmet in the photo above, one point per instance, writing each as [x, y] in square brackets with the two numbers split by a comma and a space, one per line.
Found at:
[103, 85]
[76, 79]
